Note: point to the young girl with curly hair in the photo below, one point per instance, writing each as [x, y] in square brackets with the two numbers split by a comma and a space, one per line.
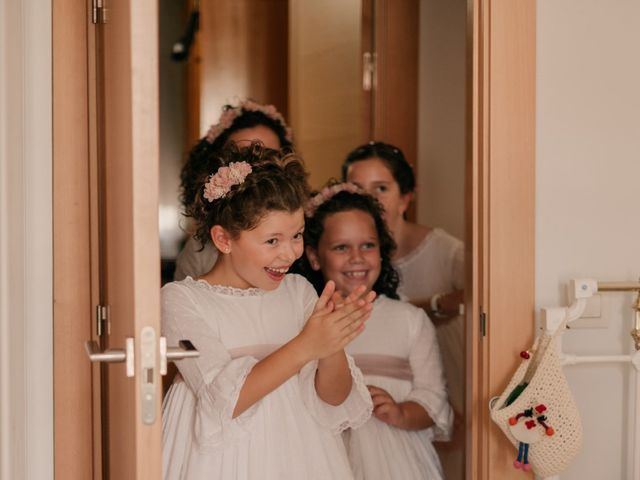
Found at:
[244, 122]
[347, 242]
[272, 387]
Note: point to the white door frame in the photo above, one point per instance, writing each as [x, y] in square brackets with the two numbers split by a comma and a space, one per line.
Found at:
[26, 241]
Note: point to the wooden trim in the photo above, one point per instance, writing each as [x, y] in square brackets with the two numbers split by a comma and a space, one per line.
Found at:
[473, 247]
[144, 162]
[72, 279]
[502, 172]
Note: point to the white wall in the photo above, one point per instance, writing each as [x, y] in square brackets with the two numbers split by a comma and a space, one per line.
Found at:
[441, 114]
[26, 290]
[587, 209]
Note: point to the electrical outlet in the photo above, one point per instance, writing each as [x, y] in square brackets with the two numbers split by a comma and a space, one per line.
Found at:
[592, 316]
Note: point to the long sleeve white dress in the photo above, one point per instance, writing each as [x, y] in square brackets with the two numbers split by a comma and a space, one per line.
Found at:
[436, 265]
[398, 352]
[288, 434]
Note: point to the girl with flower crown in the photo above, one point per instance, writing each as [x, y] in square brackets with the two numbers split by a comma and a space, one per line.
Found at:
[272, 388]
[347, 242]
[245, 122]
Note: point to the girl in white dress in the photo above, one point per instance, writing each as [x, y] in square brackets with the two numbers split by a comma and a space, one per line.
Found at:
[272, 388]
[347, 242]
[245, 121]
[430, 262]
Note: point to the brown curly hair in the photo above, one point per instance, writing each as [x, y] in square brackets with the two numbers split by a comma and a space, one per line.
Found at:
[278, 181]
[199, 161]
[344, 201]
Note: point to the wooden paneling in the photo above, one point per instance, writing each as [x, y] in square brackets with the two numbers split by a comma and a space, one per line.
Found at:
[72, 279]
[396, 93]
[243, 48]
[396, 43]
[326, 96]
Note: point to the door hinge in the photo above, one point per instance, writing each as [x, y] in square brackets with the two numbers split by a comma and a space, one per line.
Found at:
[98, 12]
[102, 320]
[483, 323]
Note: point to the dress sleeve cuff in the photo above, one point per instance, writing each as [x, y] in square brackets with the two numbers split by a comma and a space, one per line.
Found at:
[215, 403]
[352, 413]
[439, 410]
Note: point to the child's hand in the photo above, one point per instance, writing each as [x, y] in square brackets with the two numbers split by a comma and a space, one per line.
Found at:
[385, 407]
[331, 327]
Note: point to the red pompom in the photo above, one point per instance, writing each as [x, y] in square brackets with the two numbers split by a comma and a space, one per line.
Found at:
[541, 408]
[512, 420]
[524, 354]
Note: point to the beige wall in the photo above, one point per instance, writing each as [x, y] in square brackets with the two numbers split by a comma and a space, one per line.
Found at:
[588, 169]
[441, 114]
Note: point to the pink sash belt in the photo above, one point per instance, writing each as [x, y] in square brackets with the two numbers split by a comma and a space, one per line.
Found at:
[384, 366]
[369, 364]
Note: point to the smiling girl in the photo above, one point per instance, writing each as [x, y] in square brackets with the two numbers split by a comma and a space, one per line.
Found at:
[273, 386]
[348, 243]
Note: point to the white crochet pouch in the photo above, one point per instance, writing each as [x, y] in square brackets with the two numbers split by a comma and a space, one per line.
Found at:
[537, 412]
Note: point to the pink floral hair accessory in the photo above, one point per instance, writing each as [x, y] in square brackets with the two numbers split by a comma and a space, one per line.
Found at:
[221, 182]
[230, 113]
[326, 193]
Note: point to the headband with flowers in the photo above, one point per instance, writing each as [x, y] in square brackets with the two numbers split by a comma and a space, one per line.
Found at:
[230, 113]
[221, 182]
[326, 193]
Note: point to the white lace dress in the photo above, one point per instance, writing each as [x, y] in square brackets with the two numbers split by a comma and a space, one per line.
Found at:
[399, 353]
[288, 434]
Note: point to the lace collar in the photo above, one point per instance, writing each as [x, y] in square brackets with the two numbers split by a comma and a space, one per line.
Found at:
[224, 289]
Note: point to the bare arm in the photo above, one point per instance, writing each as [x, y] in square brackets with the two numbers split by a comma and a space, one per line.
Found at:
[405, 415]
[325, 334]
[448, 306]
[271, 372]
[333, 378]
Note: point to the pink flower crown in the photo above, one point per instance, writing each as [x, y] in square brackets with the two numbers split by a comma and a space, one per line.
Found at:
[220, 183]
[230, 113]
[326, 193]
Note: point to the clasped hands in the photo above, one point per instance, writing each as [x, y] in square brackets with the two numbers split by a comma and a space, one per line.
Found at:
[336, 320]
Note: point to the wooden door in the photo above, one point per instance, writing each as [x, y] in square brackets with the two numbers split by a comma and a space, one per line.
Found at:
[106, 238]
[106, 108]
[500, 237]
[126, 49]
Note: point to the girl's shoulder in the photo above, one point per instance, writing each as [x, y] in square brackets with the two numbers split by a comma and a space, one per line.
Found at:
[404, 315]
[298, 286]
[437, 243]
[398, 309]
[443, 237]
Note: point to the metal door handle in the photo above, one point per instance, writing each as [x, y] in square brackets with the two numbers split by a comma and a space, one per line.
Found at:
[185, 349]
[113, 355]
